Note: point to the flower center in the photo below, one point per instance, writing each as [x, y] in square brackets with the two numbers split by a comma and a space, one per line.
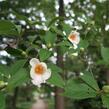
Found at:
[39, 69]
[72, 37]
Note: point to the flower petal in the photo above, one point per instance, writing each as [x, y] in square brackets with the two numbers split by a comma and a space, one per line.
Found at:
[37, 83]
[47, 74]
[32, 73]
[35, 76]
[76, 33]
[75, 46]
[34, 61]
[77, 39]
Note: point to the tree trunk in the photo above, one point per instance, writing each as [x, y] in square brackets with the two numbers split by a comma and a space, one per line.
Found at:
[14, 99]
[59, 100]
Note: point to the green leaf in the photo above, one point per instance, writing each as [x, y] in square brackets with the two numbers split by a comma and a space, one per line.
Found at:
[64, 43]
[18, 78]
[76, 90]
[83, 44]
[8, 28]
[54, 68]
[44, 54]
[105, 54]
[105, 100]
[67, 28]
[89, 79]
[63, 49]
[2, 101]
[17, 66]
[19, 29]
[4, 70]
[15, 52]
[57, 31]
[50, 38]
[56, 80]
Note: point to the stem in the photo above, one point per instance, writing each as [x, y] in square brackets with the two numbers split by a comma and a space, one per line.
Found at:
[1, 88]
[59, 100]
[14, 100]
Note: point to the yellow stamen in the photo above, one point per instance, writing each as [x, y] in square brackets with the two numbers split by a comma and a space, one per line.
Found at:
[72, 37]
[39, 69]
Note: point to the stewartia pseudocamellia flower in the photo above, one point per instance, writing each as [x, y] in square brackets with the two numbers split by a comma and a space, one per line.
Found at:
[39, 72]
[74, 38]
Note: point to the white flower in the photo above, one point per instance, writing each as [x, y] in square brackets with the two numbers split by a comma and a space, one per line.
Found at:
[74, 38]
[39, 72]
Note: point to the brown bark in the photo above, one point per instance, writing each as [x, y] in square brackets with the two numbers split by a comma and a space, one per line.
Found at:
[14, 99]
[59, 100]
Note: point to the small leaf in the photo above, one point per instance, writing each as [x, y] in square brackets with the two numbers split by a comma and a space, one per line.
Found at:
[50, 38]
[57, 31]
[8, 28]
[67, 28]
[105, 54]
[64, 43]
[105, 100]
[44, 54]
[15, 52]
[19, 28]
[83, 44]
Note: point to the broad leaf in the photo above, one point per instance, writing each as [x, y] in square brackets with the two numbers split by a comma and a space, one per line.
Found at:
[44, 54]
[17, 66]
[105, 100]
[89, 79]
[18, 78]
[83, 44]
[67, 28]
[8, 28]
[56, 78]
[54, 68]
[50, 38]
[77, 90]
[105, 54]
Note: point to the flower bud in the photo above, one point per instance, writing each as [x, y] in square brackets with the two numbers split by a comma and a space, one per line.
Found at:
[2, 83]
[49, 45]
[106, 88]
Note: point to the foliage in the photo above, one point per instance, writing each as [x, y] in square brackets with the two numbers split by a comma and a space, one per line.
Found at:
[29, 29]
